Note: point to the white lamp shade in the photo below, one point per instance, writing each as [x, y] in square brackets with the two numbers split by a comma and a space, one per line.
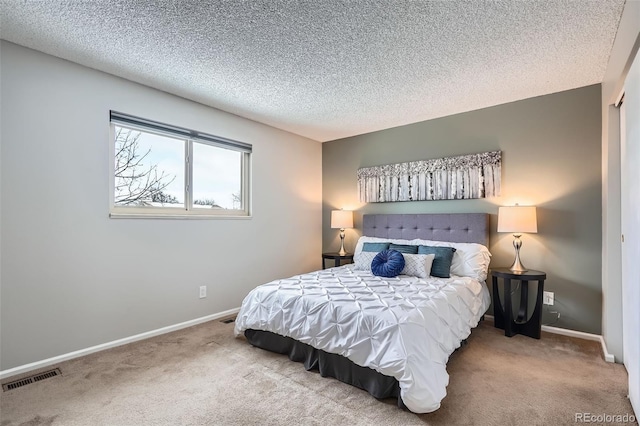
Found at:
[517, 219]
[341, 219]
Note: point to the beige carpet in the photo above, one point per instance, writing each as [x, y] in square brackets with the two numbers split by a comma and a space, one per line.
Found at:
[204, 376]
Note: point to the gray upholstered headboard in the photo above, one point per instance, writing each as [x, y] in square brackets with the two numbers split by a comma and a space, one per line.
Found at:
[454, 227]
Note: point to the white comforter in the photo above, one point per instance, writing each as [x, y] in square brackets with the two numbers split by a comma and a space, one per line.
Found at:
[403, 327]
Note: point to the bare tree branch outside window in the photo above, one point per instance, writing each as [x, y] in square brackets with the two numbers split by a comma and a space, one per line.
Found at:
[138, 183]
[236, 200]
[207, 202]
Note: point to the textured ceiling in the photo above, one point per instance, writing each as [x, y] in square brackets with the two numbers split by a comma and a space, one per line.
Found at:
[328, 69]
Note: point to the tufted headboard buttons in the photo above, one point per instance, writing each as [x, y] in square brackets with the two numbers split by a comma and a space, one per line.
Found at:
[454, 227]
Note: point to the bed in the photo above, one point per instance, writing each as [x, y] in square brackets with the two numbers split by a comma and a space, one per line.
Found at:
[389, 336]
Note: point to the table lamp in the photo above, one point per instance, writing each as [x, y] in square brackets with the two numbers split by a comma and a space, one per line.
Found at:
[341, 219]
[517, 219]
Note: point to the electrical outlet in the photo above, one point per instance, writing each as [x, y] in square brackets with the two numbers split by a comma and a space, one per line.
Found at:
[547, 298]
[203, 291]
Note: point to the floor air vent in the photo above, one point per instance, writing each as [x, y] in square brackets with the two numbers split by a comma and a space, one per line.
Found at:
[31, 379]
[228, 320]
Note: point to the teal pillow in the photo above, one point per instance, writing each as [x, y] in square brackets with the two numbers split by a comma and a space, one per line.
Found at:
[409, 249]
[441, 266]
[375, 247]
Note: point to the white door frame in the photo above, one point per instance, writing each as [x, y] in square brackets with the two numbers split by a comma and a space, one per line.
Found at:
[630, 221]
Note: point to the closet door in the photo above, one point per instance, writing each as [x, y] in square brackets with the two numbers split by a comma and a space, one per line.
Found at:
[630, 208]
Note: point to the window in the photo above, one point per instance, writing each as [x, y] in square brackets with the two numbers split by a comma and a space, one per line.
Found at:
[167, 171]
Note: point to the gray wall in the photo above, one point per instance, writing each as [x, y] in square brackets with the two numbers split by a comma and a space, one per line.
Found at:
[551, 156]
[72, 278]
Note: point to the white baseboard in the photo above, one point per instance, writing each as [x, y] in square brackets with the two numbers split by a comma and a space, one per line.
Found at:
[609, 357]
[82, 352]
[572, 333]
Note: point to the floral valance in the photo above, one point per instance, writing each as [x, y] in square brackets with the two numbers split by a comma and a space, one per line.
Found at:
[449, 178]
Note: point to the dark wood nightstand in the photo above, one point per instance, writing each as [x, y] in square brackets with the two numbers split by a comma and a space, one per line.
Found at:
[503, 317]
[337, 258]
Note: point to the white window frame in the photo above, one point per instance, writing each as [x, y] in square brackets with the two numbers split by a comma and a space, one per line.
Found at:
[189, 137]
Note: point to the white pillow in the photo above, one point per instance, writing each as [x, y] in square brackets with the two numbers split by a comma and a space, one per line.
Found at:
[362, 240]
[417, 265]
[363, 261]
[469, 259]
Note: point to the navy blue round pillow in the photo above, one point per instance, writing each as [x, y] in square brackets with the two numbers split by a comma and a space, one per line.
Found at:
[387, 263]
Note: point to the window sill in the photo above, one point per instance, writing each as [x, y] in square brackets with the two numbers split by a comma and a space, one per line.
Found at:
[180, 216]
